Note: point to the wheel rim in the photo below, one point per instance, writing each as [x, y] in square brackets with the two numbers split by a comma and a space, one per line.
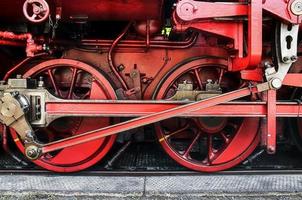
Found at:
[205, 144]
[69, 79]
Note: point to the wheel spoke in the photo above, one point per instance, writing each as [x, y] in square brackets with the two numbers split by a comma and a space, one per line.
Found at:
[197, 123]
[226, 140]
[174, 86]
[73, 82]
[210, 148]
[33, 17]
[53, 82]
[221, 75]
[233, 125]
[208, 144]
[196, 72]
[189, 149]
[174, 133]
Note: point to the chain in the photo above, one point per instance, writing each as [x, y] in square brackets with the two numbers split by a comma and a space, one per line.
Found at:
[53, 26]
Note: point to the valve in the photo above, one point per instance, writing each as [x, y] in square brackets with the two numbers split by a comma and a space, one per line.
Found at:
[36, 11]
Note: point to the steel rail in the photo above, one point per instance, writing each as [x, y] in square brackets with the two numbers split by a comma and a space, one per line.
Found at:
[154, 172]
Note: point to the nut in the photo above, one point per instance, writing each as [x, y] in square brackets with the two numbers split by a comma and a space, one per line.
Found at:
[32, 152]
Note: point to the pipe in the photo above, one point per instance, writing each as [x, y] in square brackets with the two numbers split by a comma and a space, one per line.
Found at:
[31, 47]
[110, 61]
[148, 34]
[189, 42]
[11, 43]
[12, 70]
[142, 44]
[12, 36]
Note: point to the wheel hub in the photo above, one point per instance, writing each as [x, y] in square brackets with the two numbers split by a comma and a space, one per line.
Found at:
[212, 125]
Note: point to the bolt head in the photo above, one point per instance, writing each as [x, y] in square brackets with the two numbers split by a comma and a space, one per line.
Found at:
[276, 83]
[121, 67]
[294, 58]
[296, 7]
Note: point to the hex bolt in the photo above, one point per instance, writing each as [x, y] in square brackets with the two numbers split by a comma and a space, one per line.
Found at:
[286, 59]
[121, 67]
[19, 76]
[133, 74]
[294, 58]
[15, 94]
[41, 82]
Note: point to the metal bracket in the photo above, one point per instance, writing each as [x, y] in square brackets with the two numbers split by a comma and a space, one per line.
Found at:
[286, 54]
[12, 114]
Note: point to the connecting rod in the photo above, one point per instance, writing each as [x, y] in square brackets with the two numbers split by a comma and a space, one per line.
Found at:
[149, 119]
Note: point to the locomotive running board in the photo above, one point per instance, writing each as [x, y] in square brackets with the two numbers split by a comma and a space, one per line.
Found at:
[144, 120]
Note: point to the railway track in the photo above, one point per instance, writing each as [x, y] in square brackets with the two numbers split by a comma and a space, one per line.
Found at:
[147, 159]
[153, 173]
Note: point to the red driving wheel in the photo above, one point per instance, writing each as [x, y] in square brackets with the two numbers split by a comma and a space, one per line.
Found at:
[70, 79]
[206, 144]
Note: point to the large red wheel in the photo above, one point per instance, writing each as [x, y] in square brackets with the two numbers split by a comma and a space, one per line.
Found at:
[70, 79]
[206, 144]
[295, 125]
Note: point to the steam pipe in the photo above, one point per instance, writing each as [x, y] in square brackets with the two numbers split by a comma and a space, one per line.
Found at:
[134, 43]
[31, 47]
[110, 61]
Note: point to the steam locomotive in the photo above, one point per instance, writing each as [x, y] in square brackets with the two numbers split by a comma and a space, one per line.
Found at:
[209, 77]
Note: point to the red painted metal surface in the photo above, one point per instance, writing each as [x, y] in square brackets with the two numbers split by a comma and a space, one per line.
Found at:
[138, 109]
[92, 10]
[254, 43]
[222, 135]
[220, 41]
[191, 10]
[271, 122]
[142, 121]
[282, 9]
[76, 75]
